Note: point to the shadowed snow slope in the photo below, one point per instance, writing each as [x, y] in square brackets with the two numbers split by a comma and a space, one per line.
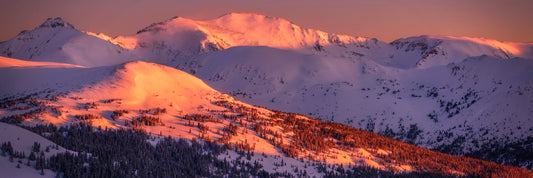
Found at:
[10, 62]
[22, 141]
[481, 100]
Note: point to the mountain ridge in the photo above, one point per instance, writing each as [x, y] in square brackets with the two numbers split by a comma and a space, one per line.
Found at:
[179, 37]
[56, 22]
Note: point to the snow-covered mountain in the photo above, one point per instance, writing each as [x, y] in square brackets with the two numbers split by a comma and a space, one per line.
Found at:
[459, 95]
[58, 41]
[181, 37]
[165, 101]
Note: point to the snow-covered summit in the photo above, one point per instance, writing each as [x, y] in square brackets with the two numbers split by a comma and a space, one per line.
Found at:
[154, 26]
[269, 31]
[55, 22]
[179, 37]
[58, 41]
[248, 29]
[136, 83]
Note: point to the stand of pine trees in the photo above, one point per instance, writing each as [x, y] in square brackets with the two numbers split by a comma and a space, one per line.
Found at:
[127, 153]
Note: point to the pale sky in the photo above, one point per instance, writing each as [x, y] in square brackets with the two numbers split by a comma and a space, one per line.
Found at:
[386, 20]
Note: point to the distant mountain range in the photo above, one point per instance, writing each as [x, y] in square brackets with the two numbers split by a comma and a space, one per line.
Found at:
[457, 95]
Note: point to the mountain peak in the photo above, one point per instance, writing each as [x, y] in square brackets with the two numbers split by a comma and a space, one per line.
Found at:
[233, 18]
[56, 22]
[184, 36]
[252, 18]
[248, 15]
[157, 26]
